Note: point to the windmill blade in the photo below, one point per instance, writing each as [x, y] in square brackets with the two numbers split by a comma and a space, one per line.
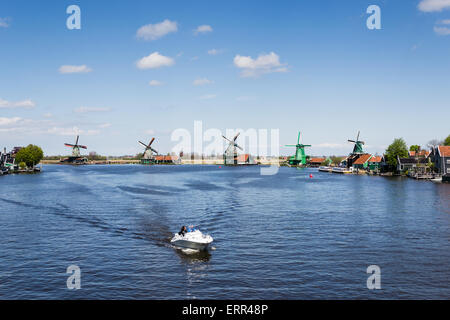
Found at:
[83, 147]
[290, 145]
[298, 140]
[69, 145]
[76, 143]
[151, 141]
[153, 150]
[237, 146]
[227, 139]
[146, 146]
[351, 141]
[235, 137]
[357, 138]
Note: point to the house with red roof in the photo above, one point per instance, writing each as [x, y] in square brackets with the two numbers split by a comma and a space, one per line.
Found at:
[316, 162]
[243, 159]
[375, 162]
[362, 162]
[420, 153]
[441, 160]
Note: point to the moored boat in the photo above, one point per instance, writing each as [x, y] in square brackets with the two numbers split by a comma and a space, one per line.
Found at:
[325, 169]
[341, 170]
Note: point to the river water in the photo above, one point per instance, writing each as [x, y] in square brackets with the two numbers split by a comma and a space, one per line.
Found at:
[284, 236]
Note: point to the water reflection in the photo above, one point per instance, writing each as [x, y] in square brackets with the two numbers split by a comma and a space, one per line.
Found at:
[193, 256]
[443, 190]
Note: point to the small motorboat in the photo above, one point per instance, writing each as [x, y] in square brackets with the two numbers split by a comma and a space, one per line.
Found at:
[325, 169]
[341, 170]
[193, 238]
[437, 179]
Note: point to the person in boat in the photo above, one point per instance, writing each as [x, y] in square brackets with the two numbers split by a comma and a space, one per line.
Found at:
[183, 231]
[191, 228]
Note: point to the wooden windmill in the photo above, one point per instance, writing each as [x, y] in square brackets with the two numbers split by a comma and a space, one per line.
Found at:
[230, 157]
[75, 148]
[76, 157]
[148, 152]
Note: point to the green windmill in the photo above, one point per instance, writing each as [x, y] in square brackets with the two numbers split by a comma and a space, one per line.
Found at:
[357, 149]
[300, 155]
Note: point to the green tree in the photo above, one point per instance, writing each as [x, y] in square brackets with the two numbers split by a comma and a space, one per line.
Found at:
[447, 141]
[31, 155]
[415, 148]
[336, 160]
[139, 156]
[397, 148]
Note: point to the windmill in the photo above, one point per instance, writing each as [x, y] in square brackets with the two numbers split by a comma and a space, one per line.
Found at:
[356, 153]
[230, 155]
[148, 153]
[76, 157]
[75, 148]
[357, 149]
[300, 155]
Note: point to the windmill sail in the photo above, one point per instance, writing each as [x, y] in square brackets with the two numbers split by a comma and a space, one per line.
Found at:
[75, 147]
[357, 149]
[230, 156]
[148, 152]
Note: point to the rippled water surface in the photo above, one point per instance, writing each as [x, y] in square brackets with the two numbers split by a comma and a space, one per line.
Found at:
[285, 236]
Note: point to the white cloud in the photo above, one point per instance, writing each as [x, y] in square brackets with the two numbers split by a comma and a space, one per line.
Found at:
[156, 31]
[150, 131]
[11, 129]
[26, 126]
[25, 104]
[203, 29]
[155, 83]
[18, 104]
[9, 121]
[433, 5]
[91, 109]
[4, 22]
[48, 115]
[71, 131]
[104, 125]
[155, 60]
[201, 82]
[214, 52]
[38, 127]
[207, 97]
[443, 31]
[265, 63]
[74, 69]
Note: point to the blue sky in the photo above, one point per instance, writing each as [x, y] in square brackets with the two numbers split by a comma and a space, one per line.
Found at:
[312, 66]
